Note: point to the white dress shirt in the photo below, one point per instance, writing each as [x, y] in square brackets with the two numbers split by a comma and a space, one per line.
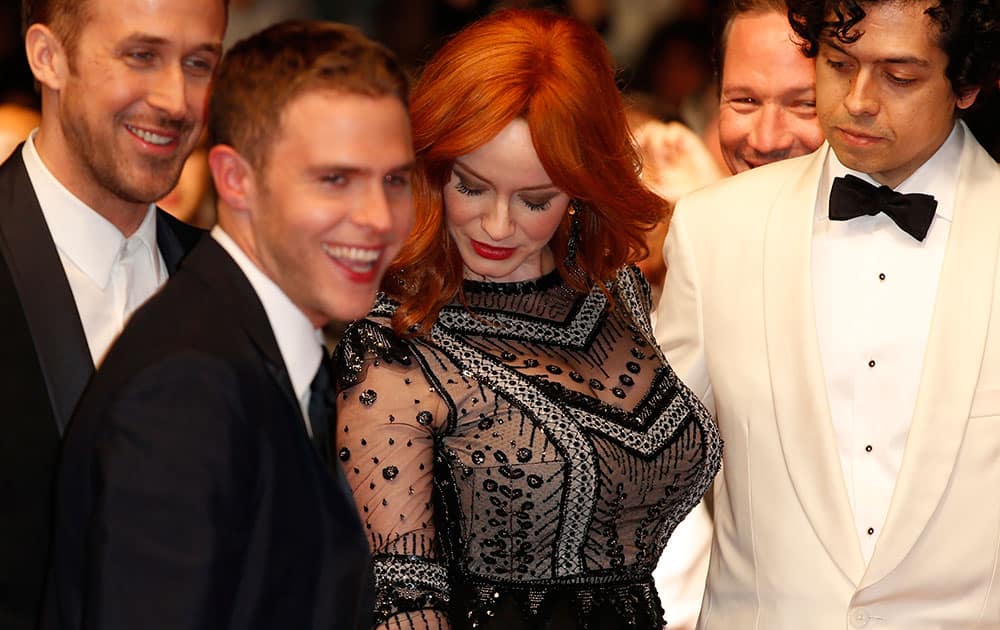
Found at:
[874, 288]
[300, 344]
[109, 275]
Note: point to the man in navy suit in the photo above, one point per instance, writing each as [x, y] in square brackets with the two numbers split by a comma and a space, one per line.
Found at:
[124, 90]
[196, 488]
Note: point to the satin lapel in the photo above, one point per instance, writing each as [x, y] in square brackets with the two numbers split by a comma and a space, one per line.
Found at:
[43, 291]
[952, 362]
[798, 386]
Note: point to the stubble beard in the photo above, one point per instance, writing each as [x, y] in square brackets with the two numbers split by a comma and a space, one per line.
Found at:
[142, 181]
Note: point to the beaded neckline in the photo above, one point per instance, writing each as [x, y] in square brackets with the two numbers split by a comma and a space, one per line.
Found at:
[523, 287]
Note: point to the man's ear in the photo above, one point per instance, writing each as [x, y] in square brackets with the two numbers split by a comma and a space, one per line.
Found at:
[47, 56]
[967, 97]
[234, 177]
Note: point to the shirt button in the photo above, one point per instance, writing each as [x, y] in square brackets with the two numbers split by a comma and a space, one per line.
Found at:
[871, 530]
[881, 276]
[859, 617]
[868, 449]
[871, 363]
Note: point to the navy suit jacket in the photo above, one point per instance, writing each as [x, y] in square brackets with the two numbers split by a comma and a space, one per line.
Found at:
[46, 365]
[190, 495]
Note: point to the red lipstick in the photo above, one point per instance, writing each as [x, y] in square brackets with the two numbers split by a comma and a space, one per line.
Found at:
[491, 252]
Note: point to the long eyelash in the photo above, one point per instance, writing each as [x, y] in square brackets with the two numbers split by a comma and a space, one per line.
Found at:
[465, 190]
[537, 207]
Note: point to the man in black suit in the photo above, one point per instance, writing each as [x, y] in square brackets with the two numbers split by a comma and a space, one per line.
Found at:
[124, 90]
[196, 488]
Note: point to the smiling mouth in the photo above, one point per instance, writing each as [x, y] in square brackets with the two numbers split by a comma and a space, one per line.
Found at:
[151, 137]
[359, 260]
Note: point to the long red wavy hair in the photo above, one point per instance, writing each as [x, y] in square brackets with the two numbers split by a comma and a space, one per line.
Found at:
[556, 73]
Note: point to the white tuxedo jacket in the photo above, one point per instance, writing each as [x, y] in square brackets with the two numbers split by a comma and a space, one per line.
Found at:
[737, 322]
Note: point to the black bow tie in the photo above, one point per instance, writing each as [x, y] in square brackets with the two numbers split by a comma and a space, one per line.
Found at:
[853, 197]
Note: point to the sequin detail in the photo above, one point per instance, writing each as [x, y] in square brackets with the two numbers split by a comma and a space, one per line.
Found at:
[549, 456]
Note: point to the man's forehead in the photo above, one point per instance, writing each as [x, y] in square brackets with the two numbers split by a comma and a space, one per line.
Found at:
[763, 50]
[845, 6]
[155, 18]
[337, 130]
[855, 14]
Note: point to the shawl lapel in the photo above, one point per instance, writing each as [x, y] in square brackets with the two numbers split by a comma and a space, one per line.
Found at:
[801, 407]
[952, 362]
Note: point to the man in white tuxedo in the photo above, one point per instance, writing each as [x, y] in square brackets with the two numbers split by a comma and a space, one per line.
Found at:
[840, 314]
[767, 113]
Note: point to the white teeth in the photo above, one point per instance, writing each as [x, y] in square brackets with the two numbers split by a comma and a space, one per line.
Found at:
[355, 257]
[150, 137]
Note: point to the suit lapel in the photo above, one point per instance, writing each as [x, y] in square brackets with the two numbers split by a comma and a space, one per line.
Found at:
[174, 239]
[801, 409]
[952, 362]
[216, 268]
[43, 291]
[225, 278]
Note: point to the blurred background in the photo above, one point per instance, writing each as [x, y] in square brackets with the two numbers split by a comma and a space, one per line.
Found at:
[662, 47]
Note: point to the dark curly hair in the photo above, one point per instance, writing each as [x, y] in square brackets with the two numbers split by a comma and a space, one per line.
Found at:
[970, 33]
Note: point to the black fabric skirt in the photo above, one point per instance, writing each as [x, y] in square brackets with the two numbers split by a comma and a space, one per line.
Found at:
[611, 604]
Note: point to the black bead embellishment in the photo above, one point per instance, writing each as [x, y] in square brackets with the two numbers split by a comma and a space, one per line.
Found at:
[389, 473]
[368, 397]
[523, 287]
[345, 454]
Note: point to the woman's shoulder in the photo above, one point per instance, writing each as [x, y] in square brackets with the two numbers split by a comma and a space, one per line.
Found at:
[632, 277]
[370, 338]
[631, 284]
[632, 291]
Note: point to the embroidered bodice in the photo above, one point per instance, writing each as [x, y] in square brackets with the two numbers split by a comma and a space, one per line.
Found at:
[525, 462]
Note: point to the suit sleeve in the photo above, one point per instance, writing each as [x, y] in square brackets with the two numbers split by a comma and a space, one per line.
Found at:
[679, 323]
[173, 480]
[681, 573]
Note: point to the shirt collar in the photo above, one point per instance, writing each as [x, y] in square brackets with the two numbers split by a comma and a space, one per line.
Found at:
[81, 234]
[299, 343]
[937, 176]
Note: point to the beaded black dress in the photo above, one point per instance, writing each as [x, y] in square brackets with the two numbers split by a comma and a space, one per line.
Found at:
[523, 465]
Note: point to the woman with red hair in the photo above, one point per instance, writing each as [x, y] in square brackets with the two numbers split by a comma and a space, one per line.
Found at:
[517, 445]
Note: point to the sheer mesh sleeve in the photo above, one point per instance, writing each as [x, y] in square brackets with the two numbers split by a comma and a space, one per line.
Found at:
[388, 415]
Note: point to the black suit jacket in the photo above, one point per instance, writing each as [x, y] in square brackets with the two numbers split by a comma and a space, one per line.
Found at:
[45, 366]
[190, 494]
